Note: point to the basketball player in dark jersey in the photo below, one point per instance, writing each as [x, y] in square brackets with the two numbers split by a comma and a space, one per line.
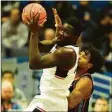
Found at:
[81, 89]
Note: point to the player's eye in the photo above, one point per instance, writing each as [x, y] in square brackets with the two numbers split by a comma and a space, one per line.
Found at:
[86, 52]
[85, 57]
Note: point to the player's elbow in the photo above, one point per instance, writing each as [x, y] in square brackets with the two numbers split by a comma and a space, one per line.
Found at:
[33, 64]
[70, 103]
[33, 67]
[74, 99]
[70, 106]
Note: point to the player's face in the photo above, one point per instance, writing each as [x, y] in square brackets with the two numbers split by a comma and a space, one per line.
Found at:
[65, 32]
[84, 58]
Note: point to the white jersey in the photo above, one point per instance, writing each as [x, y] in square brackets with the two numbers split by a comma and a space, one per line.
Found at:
[55, 89]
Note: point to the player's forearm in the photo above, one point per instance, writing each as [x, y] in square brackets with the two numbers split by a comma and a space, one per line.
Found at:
[57, 31]
[34, 54]
[46, 45]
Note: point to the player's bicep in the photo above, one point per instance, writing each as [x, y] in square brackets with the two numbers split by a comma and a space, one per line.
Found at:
[58, 58]
[80, 91]
[46, 61]
[45, 45]
[75, 98]
[83, 87]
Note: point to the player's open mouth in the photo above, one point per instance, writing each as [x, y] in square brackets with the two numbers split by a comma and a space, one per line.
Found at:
[60, 38]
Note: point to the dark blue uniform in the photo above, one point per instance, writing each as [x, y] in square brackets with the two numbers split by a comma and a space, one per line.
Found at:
[83, 105]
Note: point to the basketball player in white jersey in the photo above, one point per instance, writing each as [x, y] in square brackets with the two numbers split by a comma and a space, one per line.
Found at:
[59, 64]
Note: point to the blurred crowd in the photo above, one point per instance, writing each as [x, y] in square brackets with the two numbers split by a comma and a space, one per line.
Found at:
[12, 97]
[97, 23]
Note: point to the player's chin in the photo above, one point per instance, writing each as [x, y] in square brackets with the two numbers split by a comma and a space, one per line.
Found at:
[58, 42]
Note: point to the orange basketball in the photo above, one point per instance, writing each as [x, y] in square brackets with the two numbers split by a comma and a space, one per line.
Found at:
[31, 11]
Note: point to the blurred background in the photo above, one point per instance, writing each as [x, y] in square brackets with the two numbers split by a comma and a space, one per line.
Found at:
[24, 83]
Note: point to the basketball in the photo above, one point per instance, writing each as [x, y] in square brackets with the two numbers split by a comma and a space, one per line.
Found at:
[31, 12]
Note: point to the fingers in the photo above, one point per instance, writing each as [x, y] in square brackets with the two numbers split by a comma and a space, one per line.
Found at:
[56, 17]
[26, 19]
[32, 16]
[54, 12]
[42, 24]
[37, 17]
[58, 20]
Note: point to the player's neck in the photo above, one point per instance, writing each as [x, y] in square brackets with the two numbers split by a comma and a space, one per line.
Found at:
[65, 44]
[81, 72]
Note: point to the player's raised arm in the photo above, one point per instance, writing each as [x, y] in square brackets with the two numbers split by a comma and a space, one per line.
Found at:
[58, 58]
[63, 58]
[58, 22]
[46, 45]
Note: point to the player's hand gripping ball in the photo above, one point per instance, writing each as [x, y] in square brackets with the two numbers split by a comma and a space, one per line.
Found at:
[35, 13]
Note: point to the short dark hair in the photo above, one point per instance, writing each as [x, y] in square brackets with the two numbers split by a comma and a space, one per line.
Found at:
[95, 58]
[7, 71]
[76, 24]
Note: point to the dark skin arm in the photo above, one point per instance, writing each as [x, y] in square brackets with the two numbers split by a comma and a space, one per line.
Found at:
[81, 91]
[63, 57]
[58, 58]
[45, 45]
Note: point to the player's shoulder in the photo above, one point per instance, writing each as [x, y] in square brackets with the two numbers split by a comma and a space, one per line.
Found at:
[66, 52]
[66, 56]
[85, 80]
[86, 76]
